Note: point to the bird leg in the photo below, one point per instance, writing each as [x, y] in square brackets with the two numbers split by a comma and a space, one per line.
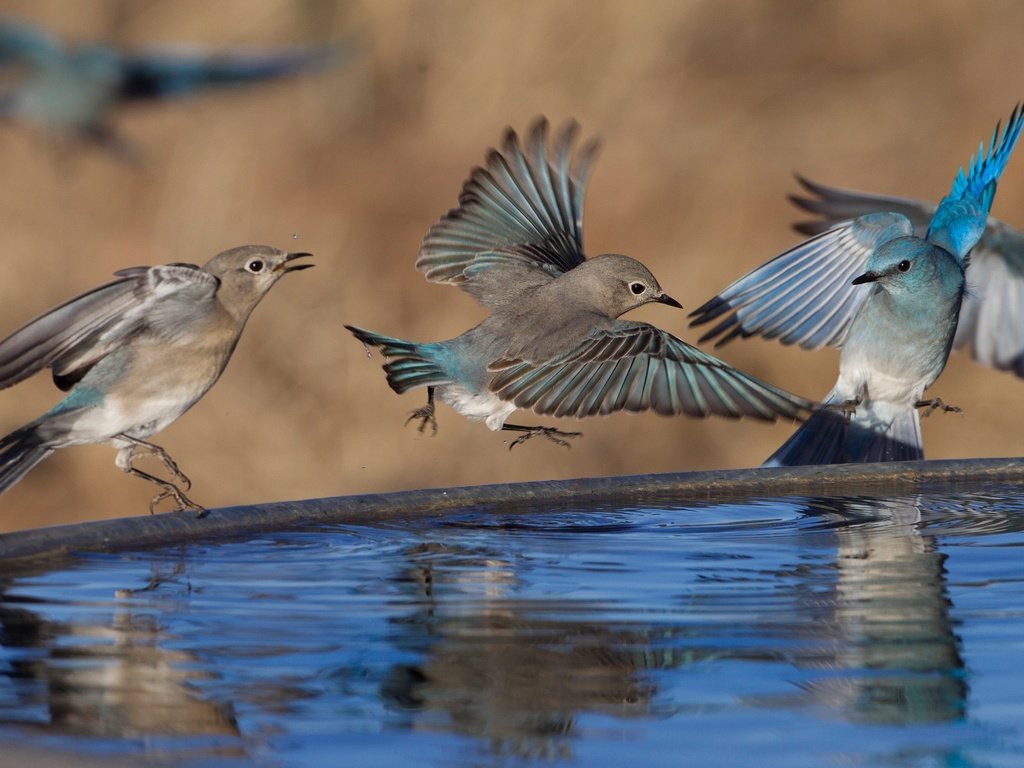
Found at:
[549, 433]
[152, 448]
[936, 404]
[425, 414]
[848, 408]
[125, 459]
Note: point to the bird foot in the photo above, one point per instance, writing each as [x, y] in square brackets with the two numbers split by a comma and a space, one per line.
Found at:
[183, 502]
[549, 433]
[426, 416]
[936, 404]
[847, 408]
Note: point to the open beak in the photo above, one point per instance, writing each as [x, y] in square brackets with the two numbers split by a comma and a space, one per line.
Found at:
[286, 265]
[867, 277]
[666, 299]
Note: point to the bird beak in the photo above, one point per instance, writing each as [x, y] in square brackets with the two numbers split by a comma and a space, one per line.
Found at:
[867, 277]
[666, 299]
[285, 267]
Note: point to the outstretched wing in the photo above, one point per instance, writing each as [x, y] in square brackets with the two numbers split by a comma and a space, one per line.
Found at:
[804, 296]
[834, 206]
[637, 367]
[75, 336]
[176, 73]
[519, 220]
[992, 316]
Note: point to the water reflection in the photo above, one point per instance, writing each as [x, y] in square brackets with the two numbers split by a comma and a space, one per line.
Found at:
[108, 677]
[517, 634]
[506, 669]
[891, 619]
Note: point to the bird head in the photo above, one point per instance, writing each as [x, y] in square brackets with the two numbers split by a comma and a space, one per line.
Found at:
[908, 264]
[246, 274]
[614, 284]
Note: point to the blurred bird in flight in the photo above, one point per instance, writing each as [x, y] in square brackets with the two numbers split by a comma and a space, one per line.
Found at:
[71, 91]
[890, 299]
[553, 342]
[135, 354]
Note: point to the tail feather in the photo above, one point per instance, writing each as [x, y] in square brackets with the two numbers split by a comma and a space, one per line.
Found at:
[20, 451]
[828, 437]
[409, 365]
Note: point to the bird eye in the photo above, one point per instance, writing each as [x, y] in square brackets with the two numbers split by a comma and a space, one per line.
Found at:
[637, 288]
[903, 266]
[254, 266]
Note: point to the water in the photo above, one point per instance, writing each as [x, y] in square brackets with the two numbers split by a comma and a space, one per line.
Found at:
[773, 632]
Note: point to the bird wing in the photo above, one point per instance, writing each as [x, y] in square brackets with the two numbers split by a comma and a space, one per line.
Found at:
[637, 367]
[992, 316]
[519, 220]
[76, 335]
[170, 74]
[959, 221]
[804, 296]
[835, 205]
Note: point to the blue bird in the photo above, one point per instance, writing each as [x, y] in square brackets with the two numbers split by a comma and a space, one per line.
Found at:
[887, 297]
[553, 342]
[71, 91]
[135, 354]
[992, 314]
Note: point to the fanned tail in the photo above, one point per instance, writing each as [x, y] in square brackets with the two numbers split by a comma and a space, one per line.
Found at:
[881, 432]
[409, 365]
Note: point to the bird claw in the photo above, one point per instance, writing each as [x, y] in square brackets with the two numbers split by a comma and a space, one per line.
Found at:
[426, 416]
[549, 433]
[936, 404]
[847, 408]
[183, 501]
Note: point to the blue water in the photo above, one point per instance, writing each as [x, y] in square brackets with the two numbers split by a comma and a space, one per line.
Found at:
[775, 632]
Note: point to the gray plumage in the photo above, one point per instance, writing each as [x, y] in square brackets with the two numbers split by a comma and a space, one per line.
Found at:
[553, 342]
[134, 355]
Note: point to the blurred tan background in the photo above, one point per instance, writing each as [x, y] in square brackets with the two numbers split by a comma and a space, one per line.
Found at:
[706, 108]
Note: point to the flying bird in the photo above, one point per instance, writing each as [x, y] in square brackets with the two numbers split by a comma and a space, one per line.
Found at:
[554, 343]
[73, 90]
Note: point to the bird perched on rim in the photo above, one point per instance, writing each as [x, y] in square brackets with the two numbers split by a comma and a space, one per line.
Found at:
[888, 298]
[553, 342]
[134, 355]
[992, 314]
[72, 90]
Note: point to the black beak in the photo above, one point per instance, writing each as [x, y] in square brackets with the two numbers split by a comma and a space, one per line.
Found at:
[867, 277]
[666, 299]
[286, 267]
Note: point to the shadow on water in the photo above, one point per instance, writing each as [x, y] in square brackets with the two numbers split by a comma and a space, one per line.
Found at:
[543, 636]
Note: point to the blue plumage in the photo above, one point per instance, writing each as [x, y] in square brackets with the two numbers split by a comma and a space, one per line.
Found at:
[889, 298]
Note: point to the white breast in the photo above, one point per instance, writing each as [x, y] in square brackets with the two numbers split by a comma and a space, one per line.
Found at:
[477, 406]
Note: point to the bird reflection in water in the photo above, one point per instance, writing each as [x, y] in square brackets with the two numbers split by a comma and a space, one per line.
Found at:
[516, 672]
[114, 678]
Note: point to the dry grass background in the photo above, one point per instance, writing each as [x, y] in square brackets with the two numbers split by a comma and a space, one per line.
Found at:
[706, 108]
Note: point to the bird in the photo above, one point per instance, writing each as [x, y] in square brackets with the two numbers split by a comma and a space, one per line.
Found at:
[72, 91]
[133, 355]
[992, 314]
[553, 342]
[887, 297]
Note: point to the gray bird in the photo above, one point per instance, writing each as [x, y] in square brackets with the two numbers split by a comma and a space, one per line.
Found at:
[553, 342]
[135, 354]
[72, 90]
